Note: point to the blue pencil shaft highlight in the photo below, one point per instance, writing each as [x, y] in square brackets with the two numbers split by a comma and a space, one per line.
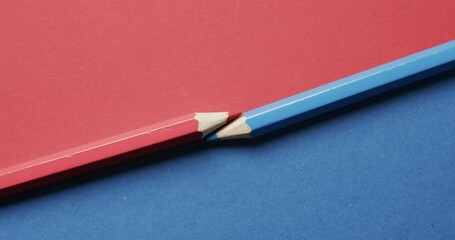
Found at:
[354, 88]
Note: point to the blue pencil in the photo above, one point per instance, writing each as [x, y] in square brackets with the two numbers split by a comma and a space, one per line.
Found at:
[339, 93]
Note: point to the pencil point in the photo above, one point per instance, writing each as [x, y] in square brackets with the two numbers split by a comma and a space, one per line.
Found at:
[233, 116]
[212, 138]
[235, 130]
[210, 121]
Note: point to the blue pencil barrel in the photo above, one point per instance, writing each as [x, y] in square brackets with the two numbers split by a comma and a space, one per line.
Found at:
[351, 89]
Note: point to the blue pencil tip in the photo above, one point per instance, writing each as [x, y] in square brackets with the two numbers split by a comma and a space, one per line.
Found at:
[212, 138]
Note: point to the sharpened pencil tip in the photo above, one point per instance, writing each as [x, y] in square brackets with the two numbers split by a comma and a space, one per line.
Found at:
[212, 138]
[233, 116]
[234, 130]
[211, 121]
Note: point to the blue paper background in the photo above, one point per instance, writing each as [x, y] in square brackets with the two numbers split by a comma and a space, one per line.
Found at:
[380, 169]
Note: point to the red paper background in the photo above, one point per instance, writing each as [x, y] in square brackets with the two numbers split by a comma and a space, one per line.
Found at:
[73, 72]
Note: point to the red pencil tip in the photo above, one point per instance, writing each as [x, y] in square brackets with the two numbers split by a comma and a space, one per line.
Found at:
[233, 116]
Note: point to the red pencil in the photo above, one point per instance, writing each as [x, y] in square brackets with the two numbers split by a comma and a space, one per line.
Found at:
[109, 151]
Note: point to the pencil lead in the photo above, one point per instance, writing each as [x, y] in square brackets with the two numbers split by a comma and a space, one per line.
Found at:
[212, 138]
[233, 116]
[235, 130]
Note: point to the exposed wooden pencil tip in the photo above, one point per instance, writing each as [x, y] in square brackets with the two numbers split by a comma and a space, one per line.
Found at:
[210, 121]
[235, 130]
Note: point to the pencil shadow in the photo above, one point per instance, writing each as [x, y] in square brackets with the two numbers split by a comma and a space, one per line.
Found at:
[391, 95]
[176, 154]
[149, 160]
